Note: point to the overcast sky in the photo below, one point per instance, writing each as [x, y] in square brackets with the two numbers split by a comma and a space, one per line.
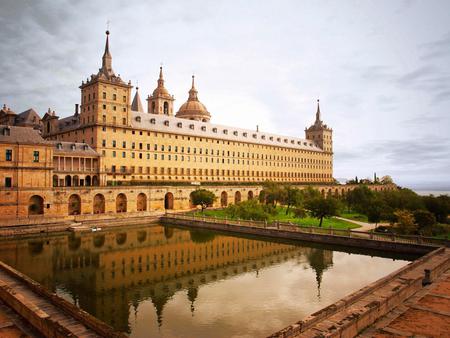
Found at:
[380, 68]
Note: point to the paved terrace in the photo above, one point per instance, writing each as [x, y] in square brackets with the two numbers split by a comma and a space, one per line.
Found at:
[49, 314]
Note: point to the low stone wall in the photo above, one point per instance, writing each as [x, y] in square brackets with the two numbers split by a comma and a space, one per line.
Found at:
[351, 314]
[307, 237]
[39, 318]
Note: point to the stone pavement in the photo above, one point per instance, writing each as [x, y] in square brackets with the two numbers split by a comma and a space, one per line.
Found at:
[13, 326]
[364, 226]
[426, 314]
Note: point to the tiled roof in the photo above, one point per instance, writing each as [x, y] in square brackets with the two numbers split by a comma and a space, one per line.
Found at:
[73, 148]
[21, 135]
[171, 124]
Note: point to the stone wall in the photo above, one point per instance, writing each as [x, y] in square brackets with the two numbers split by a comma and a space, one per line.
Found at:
[84, 203]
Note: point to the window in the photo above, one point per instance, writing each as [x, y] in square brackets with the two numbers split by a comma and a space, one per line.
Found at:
[8, 182]
[124, 99]
[124, 144]
[124, 121]
[35, 156]
[104, 95]
[8, 154]
[114, 97]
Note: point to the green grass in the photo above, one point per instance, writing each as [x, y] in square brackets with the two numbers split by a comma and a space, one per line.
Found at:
[282, 217]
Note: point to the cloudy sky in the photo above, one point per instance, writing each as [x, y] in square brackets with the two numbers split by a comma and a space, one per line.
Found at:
[380, 68]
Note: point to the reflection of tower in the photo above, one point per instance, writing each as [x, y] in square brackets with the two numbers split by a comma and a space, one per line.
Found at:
[192, 296]
[159, 299]
[320, 260]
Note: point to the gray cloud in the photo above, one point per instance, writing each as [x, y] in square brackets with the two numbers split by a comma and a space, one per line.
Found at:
[381, 72]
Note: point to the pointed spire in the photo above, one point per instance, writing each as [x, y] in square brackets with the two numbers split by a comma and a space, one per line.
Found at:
[318, 112]
[193, 92]
[107, 59]
[161, 78]
[136, 105]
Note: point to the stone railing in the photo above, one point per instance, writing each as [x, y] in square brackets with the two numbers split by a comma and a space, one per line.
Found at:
[297, 228]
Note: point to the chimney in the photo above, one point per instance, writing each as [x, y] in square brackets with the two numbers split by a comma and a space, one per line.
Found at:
[76, 108]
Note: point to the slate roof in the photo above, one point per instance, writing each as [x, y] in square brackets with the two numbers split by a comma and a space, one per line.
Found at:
[72, 148]
[21, 135]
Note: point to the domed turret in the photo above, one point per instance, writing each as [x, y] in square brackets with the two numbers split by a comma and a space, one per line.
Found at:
[193, 109]
[160, 102]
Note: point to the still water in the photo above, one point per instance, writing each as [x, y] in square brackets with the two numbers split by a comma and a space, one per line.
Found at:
[155, 281]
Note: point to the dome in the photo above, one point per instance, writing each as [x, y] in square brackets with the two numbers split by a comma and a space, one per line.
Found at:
[193, 109]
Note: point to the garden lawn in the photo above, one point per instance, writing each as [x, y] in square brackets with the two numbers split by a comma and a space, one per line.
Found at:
[282, 217]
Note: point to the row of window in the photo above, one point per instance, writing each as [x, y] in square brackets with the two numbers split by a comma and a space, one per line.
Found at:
[113, 97]
[9, 155]
[214, 172]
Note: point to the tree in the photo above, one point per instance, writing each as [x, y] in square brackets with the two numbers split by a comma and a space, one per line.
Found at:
[360, 198]
[439, 206]
[425, 221]
[291, 197]
[271, 193]
[309, 193]
[405, 222]
[375, 210]
[250, 209]
[386, 179]
[203, 197]
[321, 207]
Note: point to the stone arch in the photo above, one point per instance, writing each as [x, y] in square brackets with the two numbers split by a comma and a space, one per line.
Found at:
[35, 247]
[323, 192]
[141, 236]
[68, 181]
[168, 201]
[99, 240]
[95, 180]
[74, 205]
[329, 194]
[87, 181]
[141, 202]
[336, 192]
[191, 203]
[250, 195]
[121, 203]
[166, 108]
[74, 242]
[55, 180]
[75, 180]
[121, 238]
[99, 204]
[223, 199]
[36, 205]
[237, 197]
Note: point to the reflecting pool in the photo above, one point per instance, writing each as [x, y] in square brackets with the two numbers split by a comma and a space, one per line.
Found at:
[161, 281]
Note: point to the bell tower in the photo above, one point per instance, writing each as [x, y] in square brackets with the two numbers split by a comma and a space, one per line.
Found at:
[320, 133]
[105, 97]
[160, 102]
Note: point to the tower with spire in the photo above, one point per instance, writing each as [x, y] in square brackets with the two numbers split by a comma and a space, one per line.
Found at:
[193, 109]
[105, 98]
[160, 102]
[319, 133]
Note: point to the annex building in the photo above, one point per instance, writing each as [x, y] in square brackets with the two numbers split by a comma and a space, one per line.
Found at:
[116, 155]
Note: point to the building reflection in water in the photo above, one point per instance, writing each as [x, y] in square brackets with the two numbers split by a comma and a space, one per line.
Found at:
[112, 272]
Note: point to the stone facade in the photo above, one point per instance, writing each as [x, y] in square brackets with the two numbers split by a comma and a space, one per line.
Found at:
[111, 157]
